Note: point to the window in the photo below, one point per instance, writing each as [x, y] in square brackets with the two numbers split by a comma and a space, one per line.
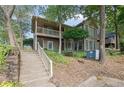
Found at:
[50, 45]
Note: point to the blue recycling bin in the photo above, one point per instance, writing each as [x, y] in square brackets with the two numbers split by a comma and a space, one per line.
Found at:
[93, 54]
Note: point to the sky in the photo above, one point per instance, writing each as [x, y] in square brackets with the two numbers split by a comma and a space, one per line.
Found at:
[72, 22]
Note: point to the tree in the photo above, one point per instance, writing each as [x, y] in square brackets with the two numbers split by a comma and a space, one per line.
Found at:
[28, 42]
[75, 34]
[102, 33]
[23, 16]
[91, 13]
[60, 14]
[116, 26]
[112, 21]
[7, 13]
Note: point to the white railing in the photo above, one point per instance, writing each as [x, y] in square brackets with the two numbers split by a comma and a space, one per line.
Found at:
[46, 60]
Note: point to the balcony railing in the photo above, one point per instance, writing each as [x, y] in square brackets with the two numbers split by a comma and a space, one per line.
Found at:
[47, 31]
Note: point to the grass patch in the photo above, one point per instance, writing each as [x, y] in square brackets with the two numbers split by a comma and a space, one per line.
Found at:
[79, 54]
[56, 57]
[9, 84]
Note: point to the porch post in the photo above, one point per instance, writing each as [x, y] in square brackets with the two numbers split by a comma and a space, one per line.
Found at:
[35, 35]
[43, 43]
[64, 44]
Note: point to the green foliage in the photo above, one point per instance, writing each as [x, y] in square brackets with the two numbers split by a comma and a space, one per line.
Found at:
[4, 50]
[75, 33]
[16, 28]
[3, 35]
[9, 84]
[122, 45]
[59, 13]
[28, 41]
[79, 54]
[91, 13]
[112, 52]
[56, 57]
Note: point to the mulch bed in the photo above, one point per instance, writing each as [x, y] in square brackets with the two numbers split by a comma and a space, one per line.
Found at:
[78, 70]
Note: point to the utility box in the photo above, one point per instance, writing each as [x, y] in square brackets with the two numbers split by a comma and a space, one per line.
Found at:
[93, 54]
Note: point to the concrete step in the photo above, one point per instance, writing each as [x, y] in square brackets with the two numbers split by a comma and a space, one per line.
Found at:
[38, 80]
[27, 76]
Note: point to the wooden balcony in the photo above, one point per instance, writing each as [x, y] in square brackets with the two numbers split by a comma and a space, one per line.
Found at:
[47, 32]
[109, 40]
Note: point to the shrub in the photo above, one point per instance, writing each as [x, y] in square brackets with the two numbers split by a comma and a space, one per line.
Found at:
[56, 57]
[112, 52]
[78, 54]
[4, 50]
[68, 53]
[9, 84]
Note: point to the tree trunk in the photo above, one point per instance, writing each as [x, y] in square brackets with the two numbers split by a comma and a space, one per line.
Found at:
[8, 28]
[60, 38]
[102, 33]
[21, 33]
[116, 26]
[8, 11]
[21, 40]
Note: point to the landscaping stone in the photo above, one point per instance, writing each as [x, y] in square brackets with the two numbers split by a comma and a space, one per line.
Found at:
[103, 82]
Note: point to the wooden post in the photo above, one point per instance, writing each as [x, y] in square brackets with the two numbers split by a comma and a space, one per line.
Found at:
[35, 35]
[64, 44]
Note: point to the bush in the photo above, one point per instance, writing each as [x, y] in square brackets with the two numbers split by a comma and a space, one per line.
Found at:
[4, 50]
[78, 54]
[56, 57]
[68, 53]
[112, 52]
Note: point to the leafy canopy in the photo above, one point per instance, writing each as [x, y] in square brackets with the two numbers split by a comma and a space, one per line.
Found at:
[59, 13]
[75, 33]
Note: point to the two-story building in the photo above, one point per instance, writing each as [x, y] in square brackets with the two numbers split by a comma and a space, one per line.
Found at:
[91, 42]
[46, 32]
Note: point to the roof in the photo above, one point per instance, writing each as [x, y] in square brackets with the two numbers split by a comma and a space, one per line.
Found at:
[43, 21]
[87, 21]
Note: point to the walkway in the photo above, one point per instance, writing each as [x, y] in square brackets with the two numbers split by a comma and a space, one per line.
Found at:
[33, 73]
